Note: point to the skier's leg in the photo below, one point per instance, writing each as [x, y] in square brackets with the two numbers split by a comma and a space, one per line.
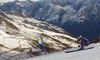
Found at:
[86, 43]
[81, 46]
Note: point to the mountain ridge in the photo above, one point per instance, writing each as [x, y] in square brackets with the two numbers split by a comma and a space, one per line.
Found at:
[83, 14]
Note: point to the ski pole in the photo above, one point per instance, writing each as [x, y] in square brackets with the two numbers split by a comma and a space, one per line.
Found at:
[43, 45]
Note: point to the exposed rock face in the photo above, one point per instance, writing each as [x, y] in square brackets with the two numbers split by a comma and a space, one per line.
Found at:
[97, 40]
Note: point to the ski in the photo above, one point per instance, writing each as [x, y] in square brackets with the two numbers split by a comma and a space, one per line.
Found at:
[79, 50]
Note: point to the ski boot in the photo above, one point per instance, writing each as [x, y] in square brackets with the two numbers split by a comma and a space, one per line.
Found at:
[82, 48]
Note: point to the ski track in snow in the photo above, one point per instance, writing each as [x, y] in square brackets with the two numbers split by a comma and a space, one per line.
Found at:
[91, 54]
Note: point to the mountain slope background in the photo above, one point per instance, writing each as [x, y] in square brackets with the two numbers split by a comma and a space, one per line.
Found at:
[18, 35]
[75, 16]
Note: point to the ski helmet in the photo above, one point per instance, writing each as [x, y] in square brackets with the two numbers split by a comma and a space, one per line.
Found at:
[79, 36]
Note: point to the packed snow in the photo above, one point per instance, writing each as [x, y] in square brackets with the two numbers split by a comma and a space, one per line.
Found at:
[91, 54]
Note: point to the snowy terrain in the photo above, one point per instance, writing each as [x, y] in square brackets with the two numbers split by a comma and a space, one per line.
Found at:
[18, 35]
[91, 54]
[18, 32]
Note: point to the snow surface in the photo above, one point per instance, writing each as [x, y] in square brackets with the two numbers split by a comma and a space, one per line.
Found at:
[91, 54]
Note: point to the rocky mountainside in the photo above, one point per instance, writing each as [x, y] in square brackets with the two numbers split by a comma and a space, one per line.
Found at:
[18, 34]
[97, 40]
[75, 16]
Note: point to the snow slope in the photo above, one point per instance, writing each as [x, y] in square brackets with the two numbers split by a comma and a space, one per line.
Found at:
[92, 54]
[18, 35]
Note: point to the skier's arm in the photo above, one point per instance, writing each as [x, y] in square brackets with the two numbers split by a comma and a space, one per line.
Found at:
[78, 40]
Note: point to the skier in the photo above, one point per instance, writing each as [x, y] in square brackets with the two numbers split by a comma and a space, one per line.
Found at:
[84, 41]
